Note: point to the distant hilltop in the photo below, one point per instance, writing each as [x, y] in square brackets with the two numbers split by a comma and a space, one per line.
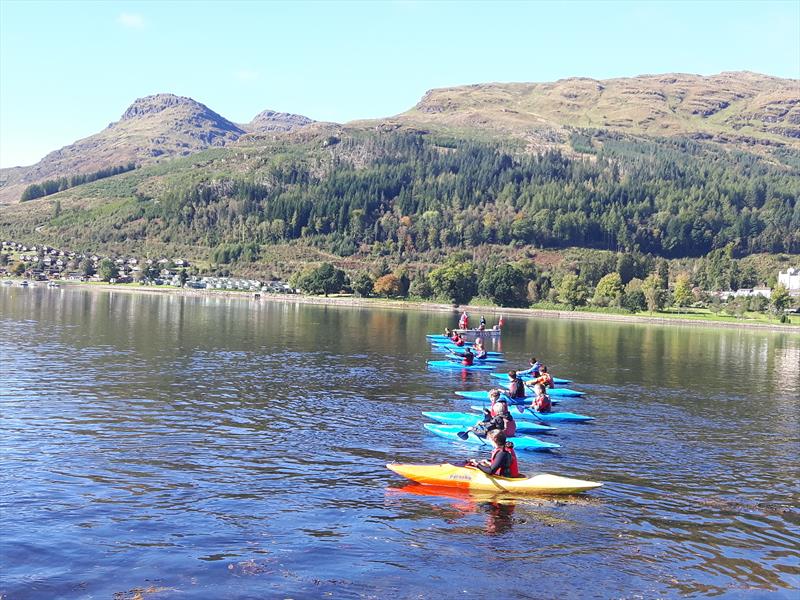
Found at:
[739, 109]
[151, 129]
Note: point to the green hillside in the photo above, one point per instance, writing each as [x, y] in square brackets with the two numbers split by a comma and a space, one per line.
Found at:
[505, 171]
[404, 195]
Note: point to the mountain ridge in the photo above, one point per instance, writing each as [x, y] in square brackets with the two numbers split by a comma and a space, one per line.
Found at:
[741, 109]
[738, 107]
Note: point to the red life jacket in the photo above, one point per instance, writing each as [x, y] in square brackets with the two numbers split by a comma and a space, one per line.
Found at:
[459, 342]
[512, 468]
[468, 360]
[542, 403]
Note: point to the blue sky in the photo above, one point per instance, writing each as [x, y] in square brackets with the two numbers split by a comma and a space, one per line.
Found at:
[68, 69]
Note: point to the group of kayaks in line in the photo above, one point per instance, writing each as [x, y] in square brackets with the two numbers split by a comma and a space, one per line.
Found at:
[532, 391]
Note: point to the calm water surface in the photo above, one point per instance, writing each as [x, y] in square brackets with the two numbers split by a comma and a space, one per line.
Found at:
[207, 447]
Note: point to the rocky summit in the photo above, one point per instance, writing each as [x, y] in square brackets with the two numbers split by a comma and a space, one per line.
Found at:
[270, 120]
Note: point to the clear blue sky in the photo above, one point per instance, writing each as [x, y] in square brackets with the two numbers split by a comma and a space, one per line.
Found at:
[67, 69]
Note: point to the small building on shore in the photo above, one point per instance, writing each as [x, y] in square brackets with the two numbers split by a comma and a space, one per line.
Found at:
[791, 280]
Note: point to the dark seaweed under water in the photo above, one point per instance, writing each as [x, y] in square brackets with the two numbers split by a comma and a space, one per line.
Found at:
[208, 447]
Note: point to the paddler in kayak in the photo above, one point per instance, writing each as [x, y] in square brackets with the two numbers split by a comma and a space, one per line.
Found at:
[516, 387]
[467, 357]
[498, 417]
[542, 378]
[479, 350]
[535, 365]
[458, 340]
[503, 460]
[541, 402]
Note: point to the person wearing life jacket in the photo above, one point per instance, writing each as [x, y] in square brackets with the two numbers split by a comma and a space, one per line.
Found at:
[499, 417]
[543, 378]
[535, 365]
[541, 402]
[516, 387]
[467, 357]
[503, 460]
[463, 322]
[459, 341]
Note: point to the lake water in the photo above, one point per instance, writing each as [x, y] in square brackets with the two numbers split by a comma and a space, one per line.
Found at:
[160, 446]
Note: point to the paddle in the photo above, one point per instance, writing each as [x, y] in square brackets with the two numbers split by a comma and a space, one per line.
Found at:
[464, 435]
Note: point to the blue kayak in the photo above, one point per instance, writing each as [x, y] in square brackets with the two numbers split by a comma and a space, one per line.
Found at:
[484, 397]
[469, 419]
[523, 442]
[504, 377]
[454, 348]
[556, 393]
[553, 417]
[481, 361]
[447, 364]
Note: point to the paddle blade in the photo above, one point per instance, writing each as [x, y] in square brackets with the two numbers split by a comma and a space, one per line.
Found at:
[463, 435]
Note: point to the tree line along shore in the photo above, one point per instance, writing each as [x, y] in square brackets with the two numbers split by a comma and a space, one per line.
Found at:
[621, 284]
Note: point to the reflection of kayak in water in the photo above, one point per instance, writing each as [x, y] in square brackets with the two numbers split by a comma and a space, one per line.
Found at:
[469, 478]
[467, 496]
[499, 508]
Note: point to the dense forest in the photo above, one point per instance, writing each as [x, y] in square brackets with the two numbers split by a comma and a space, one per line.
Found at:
[52, 186]
[634, 223]
[675, 198]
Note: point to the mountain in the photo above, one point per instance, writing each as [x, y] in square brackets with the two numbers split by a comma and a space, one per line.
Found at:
[738, 109]
[745, 109]
[270, 121]
[152, 129]
[677, 166]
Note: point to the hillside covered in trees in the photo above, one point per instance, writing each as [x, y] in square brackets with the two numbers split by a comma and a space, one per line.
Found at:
[409, 194]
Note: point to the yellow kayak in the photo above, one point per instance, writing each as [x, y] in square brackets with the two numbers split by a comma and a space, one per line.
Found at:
[470, 478]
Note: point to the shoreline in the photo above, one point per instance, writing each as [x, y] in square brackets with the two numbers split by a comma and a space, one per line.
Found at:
[352, 301]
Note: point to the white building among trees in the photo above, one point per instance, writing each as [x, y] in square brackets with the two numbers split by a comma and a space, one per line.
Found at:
[790, 279]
